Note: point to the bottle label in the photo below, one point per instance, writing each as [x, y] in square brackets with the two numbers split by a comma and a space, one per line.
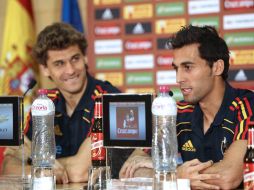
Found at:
[98, 151]
[42, 107]
[164, 106]
[248, 176]
[45, 183]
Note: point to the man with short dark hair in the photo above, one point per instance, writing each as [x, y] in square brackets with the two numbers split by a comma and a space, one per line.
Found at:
[212, 121]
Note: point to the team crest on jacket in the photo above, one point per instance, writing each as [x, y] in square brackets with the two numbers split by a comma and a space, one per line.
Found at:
[58, 131]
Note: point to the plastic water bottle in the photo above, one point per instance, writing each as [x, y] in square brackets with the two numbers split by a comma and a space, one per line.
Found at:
[164, 142]
[43, 142]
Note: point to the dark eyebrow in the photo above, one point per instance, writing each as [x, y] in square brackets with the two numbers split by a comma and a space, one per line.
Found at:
[187, 63]
[182, 64]
[76, 54]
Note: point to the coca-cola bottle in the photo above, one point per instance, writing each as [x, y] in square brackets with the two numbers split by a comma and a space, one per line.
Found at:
[248, 175]
[98, 151]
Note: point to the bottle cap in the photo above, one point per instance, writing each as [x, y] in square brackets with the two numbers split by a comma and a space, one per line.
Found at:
[164, 88]
[42, 91]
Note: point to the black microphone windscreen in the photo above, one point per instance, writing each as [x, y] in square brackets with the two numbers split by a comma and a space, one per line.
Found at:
[32, 84]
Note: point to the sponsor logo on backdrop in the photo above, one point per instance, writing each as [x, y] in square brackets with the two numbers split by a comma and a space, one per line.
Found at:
[164, 60]
[145, 61]
[116, 78]
[163, 43]
[138, 44]
[166, 77]
[141, 78]
[139, 90]
[107, 30]
[170, 9]
[241, 75]
[106, 2]
[107, 14]
[210, 21]
[238, 21]
[131, 1]
[169, 25]
[140, 11]
[138, 28]
[108, 62]
[108, 46]
[203, 6]
[239, 39]
[239, 57]
[238, 4]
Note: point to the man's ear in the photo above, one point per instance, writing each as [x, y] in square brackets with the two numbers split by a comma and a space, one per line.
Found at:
[44, 70]
[218, 67]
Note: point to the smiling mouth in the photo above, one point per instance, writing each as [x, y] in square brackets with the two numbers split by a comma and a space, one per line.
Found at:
[186, 91]
[71, 78]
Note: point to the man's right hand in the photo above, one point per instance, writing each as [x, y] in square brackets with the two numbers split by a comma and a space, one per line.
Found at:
[17, 151]
[133, 164]
[60, 173]
[192, 170]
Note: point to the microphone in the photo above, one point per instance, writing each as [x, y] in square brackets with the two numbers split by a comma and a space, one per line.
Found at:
[31, 84]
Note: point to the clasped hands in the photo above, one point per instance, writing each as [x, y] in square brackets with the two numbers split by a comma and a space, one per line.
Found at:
[192, 170]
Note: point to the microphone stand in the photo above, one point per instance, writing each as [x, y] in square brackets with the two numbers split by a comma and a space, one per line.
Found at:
[30, 86]
[22, 139]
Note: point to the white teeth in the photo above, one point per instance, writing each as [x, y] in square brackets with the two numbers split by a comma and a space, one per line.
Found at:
[186, 90]
[69, 79]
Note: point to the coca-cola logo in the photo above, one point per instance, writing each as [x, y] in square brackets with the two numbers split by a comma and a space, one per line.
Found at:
[39, 107]
[94, 137]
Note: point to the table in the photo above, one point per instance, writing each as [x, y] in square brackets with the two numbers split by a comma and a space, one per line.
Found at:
[17, 183]
[71, 186]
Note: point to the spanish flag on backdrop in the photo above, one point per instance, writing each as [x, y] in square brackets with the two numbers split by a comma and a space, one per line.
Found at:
[16, 64]
[71, 14]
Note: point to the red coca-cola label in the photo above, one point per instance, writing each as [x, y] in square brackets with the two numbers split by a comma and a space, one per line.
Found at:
[248, 176]
[98, 151]
[98, 110]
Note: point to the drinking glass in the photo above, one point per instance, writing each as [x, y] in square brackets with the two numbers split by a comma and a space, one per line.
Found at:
[98, 177]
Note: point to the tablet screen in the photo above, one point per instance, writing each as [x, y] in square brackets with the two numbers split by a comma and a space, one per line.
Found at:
[127, 120]
[11, 115]
[6, 121]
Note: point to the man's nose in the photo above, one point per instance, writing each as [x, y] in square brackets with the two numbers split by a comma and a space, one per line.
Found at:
[179, 76]
[70, 68]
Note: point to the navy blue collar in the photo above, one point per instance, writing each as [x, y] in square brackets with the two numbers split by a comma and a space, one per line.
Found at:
[229, 96]
[83, 103]
[197, 120]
